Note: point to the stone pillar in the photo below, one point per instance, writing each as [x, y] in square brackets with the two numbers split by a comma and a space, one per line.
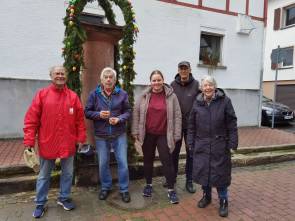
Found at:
[98, 54]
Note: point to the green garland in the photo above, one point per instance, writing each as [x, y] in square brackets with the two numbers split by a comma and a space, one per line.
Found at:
[75, 36]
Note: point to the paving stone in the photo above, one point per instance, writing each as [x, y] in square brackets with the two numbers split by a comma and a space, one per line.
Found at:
[257, 193]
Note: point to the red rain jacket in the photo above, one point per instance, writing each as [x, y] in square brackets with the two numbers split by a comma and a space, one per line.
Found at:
[56, 116]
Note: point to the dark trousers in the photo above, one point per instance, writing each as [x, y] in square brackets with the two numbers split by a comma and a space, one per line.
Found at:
[222, 191]
[150, 143]
[189, 158]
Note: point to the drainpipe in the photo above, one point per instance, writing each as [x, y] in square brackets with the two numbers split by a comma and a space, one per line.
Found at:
[261, 78]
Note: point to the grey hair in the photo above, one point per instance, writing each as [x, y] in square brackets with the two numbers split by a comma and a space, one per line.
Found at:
[108, 70]
[210, 79]
[51, 69]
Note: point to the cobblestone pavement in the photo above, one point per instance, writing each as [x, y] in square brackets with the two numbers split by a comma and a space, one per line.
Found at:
[263, 193]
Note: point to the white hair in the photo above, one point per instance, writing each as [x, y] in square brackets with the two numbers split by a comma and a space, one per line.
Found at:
[210, 79]
[51, 70]
[108, 70]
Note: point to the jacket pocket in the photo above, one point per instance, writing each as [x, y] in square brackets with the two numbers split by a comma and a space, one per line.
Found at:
[201, 145]
[219, 145]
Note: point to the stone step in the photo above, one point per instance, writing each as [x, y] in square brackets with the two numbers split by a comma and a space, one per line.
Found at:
[11, 171]
[22, 183]
[258, 149]
[84, 177]
[260, 158]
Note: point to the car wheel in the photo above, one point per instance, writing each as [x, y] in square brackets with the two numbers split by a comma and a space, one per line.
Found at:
[264, 119]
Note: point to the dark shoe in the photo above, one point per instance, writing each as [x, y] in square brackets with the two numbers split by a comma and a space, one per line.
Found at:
[147, 191]
[205, 201]
[103, 194]
[223, 209]
[173, 199]
[125, 197]
[66, 204]
[39, 211]
[190, 187]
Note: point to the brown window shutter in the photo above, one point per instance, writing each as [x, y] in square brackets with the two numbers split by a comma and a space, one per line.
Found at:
[277, 19]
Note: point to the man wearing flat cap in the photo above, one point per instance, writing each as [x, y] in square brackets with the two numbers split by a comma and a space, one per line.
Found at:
[186, 89]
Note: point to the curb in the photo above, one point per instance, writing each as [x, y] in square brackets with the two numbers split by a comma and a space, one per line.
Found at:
[9, 171]
[259, 149]
[28, 182]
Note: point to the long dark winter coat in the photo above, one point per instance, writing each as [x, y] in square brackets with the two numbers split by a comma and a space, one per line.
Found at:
[212, 132]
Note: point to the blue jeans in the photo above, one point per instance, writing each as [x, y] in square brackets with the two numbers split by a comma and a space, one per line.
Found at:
[222, 191]
[103, 147]
[43, 181]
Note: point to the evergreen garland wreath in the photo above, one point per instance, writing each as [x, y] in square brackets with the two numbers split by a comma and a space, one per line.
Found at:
[75, 36]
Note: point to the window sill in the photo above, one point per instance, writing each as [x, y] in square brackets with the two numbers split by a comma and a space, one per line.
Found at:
[209, 66]
[289, 26]
[286, 67]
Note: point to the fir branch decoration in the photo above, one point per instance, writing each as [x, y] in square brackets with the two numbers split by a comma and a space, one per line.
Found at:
[75, 36]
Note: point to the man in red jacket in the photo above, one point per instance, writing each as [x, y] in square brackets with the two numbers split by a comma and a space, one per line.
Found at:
[56, 118]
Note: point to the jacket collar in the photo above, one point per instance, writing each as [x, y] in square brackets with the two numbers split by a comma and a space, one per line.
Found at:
[219, 94]
[167, 88]
[178, 80]
[98, 90]
[54, 88]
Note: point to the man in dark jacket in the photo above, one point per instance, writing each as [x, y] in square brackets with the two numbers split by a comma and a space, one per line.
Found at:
[186, 89]
[109, 109]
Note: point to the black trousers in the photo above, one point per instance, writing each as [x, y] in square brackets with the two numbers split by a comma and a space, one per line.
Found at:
[189, 158]
[150, 143]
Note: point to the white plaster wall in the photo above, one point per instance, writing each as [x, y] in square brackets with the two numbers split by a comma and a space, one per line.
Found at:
[31, 37]
[16, 96]
[219, 4]
[171, 33]
[238, 6]
[284, 38]
[256, 8]
[32, 41]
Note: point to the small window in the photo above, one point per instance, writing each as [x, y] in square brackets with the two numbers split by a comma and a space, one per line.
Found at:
[210, 49]
[289, 16]
[285, 58]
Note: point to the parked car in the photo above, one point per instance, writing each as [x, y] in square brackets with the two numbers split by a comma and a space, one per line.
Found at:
[282, 113]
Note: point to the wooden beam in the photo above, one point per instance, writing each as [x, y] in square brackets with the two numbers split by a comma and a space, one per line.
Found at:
[247, 7]
[227, 5]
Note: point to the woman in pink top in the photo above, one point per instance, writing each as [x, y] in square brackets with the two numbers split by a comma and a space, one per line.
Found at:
[157, 123]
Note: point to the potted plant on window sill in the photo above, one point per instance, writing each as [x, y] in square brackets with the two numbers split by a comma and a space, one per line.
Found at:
[211, 60]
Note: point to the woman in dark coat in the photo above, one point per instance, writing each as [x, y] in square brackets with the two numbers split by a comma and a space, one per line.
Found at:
[212, 133]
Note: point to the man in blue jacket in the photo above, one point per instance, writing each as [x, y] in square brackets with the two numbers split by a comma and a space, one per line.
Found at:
[109, 108]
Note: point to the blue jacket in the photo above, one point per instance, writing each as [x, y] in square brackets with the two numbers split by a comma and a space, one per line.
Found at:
[117, 104]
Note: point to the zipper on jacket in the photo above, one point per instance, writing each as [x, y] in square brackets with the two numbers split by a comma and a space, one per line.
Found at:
[110, 109]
